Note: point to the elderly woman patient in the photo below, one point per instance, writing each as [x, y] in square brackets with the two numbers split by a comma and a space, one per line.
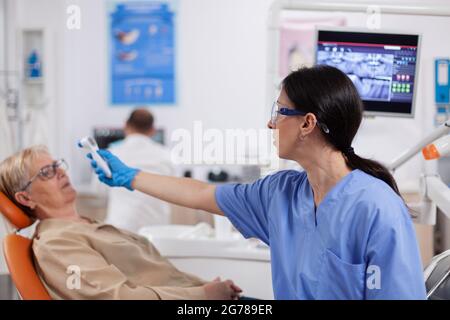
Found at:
[113, 264]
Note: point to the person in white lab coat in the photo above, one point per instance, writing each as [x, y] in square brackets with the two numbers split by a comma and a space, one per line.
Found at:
[134, 210]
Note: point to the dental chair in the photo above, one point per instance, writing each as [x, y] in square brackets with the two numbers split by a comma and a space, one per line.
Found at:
[18, 254]
[437, 277]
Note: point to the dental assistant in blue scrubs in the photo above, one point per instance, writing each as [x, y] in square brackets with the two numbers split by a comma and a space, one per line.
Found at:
[337, 230]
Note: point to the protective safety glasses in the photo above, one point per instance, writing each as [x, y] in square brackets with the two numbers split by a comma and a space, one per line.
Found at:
[278, 110]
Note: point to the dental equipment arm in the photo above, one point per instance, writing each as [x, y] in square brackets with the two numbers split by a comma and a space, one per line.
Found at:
[439, 193]
[440, 148]
[408, 154]
[432, 186]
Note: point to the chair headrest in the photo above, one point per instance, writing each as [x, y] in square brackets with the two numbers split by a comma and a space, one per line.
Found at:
[13, 213]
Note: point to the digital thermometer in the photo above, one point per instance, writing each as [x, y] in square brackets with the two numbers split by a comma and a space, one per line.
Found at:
[90, 144]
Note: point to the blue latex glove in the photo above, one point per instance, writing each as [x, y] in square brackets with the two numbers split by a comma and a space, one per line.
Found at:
[122, 175]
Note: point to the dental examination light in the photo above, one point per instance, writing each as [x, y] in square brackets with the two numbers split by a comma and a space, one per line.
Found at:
[90, 144]
[434, 191]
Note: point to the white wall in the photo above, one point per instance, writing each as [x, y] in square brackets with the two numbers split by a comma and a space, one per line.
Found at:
[5, 82]
[221, 69]
[2, 39]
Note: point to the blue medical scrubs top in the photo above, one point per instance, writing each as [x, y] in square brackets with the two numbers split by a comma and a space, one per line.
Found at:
[358, 244]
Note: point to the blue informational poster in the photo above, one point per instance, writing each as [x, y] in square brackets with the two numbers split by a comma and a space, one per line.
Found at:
[142, 62]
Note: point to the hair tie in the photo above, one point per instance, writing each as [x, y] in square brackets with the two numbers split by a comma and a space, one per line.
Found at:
[349, 151]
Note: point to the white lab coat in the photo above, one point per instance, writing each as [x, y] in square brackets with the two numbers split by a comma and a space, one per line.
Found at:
[134, 210]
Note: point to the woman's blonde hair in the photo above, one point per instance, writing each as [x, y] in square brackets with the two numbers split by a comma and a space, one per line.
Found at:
[15, 173]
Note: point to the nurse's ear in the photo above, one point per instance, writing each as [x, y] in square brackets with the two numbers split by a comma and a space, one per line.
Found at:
[307, 125]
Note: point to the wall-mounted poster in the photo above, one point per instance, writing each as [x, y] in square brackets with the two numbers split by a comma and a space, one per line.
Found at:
[142, 53]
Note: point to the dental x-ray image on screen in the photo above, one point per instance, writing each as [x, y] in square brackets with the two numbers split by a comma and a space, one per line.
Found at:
[381, 65]
[370, 72]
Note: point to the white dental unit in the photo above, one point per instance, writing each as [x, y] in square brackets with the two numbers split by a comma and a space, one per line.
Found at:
[199, 250]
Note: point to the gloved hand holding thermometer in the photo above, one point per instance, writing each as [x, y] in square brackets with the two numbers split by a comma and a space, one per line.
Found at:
[110, 169]
[121, 175]
[90, 144]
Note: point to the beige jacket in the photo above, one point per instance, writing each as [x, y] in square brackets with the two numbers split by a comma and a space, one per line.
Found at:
[111, 264]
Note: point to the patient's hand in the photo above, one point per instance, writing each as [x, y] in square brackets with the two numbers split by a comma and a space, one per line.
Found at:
[222, 290]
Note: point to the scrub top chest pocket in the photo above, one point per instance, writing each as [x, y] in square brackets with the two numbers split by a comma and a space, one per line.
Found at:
[339, 279]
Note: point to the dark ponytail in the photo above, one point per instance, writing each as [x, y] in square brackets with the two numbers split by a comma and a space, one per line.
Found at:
[328, 93]
[373, 168]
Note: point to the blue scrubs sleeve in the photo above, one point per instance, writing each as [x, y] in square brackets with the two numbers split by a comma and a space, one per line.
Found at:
[246, 205]
[394, 268]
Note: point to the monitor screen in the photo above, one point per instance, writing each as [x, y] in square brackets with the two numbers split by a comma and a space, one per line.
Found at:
[108, 137]
[383, 67]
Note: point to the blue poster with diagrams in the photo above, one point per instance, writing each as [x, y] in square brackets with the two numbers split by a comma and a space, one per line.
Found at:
[142, 62]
